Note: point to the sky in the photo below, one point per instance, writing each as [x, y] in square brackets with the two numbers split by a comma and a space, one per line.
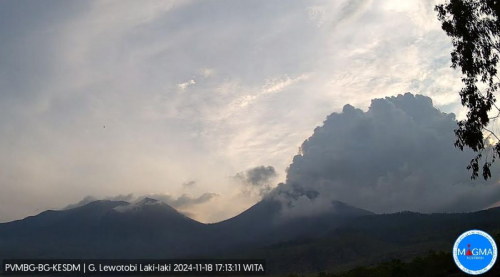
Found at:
[201, 103]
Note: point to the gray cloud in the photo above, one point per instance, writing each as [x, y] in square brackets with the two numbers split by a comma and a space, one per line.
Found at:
[189, 184]
[185, 201]
[89, 198]
[399, 155]
[257, 176]
[257, 179]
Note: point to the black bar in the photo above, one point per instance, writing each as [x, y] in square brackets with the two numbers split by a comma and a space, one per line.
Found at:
[95, 267]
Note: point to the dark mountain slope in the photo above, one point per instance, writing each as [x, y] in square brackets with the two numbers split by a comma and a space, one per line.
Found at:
[262, 224]
[368, 240]
[153, 229]
[338, 239]
[101, 229]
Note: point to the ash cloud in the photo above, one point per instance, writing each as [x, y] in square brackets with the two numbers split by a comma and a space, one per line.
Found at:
[189, 184]
[398, 155]
[257, 179]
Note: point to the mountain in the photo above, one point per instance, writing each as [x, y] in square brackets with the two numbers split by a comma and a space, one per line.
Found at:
[150, 228]
[263, 224]
[340, 238]
[101, 229]
[372, 239]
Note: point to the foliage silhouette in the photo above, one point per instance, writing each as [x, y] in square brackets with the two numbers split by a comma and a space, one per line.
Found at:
[474, 28]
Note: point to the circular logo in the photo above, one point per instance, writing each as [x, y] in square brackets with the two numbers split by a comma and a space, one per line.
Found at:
[475, 252]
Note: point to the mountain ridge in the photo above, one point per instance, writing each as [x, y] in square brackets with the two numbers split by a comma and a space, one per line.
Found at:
[152, 229]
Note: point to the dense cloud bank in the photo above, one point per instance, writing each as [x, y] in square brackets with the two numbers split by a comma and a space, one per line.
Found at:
[399, 155]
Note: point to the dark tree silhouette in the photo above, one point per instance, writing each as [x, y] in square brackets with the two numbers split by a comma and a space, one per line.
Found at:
[474, 28]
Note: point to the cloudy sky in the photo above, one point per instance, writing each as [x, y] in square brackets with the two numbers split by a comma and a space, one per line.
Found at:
[202, 102]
